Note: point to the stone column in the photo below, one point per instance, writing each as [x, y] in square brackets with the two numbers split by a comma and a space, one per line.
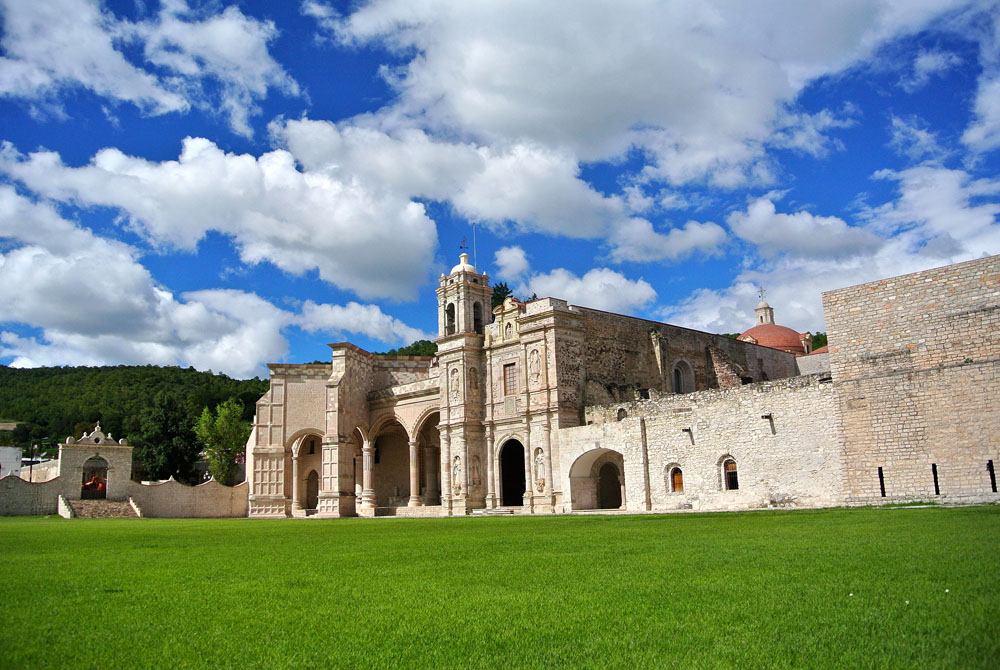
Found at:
[491, 492]
[368, 463]
[529, 479]
[296, 502]
[430, 476]
[414, 500]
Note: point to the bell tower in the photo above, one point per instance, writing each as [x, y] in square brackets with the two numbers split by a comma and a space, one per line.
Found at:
[464, 307]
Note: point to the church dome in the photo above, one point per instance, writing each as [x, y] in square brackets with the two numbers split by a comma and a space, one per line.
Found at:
[463, 265]
[776, 337]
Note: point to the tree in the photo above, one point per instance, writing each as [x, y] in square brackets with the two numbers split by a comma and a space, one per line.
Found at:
[819, 340]
[166, 445]
[500, 292]
[224, 435]
[418, 348]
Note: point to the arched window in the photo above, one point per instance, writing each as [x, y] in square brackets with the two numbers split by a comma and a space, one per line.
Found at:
[676, 480]
[622, 413]
[683, 377]
[477, 317]
[729, 478]
[449, 313]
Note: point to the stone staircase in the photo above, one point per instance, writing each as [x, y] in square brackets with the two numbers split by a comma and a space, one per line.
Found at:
[102, 509]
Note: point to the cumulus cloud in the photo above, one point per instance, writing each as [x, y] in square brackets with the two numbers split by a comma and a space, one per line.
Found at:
[800, 234]
[375, 244]
[599, 288]
[700, 87]
[512, 263]
[95, 303]
[636, 240]
[59, 45]
[939, 216]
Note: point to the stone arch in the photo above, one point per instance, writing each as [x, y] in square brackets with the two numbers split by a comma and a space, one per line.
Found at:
[585, 479]
[94, 482]
[311, 490]
[294, 442]
[477, 318]
[426, 433]
[390, 462]
[683, 377]
[449, 316]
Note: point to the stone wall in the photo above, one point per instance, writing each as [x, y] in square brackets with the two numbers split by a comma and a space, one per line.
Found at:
[916, 364]
[171, 499]
[813, 364]
[21, 498]
[789, 459]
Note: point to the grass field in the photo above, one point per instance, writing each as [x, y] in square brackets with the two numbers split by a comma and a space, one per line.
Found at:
[764, 589]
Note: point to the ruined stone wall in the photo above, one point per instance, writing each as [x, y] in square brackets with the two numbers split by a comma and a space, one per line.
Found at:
[393, 370]
[916, 363]
[791, 459]
[620, 355]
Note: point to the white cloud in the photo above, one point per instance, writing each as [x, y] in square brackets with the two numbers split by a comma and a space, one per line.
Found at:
[927, 64]
[701, 87]
[57, 45]
[512, 263]
[800, 234]
[912, 138]
[983, 134]
[599, 288]
[368, 320]
[940, 216]
[372, 243]
[96, 304]
[636, 240]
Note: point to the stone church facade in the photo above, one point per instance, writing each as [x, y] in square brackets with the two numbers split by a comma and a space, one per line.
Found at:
[547, 407]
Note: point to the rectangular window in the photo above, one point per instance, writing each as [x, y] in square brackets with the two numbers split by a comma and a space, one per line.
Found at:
[509, 379]
[937, 489]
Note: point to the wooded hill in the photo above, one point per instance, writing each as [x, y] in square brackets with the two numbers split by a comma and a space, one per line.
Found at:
[51, 402]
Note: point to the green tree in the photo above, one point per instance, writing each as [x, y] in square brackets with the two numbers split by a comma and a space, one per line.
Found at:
[165, 444]
[819, 340]
[500, 292]
[418, 348]
[224, 435]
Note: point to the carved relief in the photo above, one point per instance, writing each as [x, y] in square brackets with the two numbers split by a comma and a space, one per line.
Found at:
[476, 476]
[539, 470]
[454, 385]
[473, 383]
[456, 475]
[534, 366]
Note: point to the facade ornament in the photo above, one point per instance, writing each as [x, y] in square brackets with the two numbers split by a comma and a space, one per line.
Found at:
[534, 366]
[454, 383]
[508, 331]
[476, 476]
[456, 475]
[473, 383]
[539, 471]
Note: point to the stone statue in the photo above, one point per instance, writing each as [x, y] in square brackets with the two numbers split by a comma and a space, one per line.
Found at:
[456, 475]
[534, 365]
[454, 383]
[476, 476]
[539, 470]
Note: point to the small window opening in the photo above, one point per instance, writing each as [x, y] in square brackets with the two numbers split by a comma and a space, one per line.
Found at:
[622, 413]
[676, 480]
[312, 446]
[732, 480]
[450, 319]
[881, 481]
[937, 489]
[644, 394]
[509, 379]
[477, 317]
[993, 475]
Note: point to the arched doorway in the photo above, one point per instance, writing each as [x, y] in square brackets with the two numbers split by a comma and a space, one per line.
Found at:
[312, 490]
[94, 485]
[391, 465]
[609, 487]
[596, 480]
[512, 480]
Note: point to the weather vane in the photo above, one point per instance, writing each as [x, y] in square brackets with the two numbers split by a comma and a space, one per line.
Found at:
[760, 292]
[464, 244]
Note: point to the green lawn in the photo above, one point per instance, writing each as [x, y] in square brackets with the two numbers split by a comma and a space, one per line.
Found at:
[764, 589]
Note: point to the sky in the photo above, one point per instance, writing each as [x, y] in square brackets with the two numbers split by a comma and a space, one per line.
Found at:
[229, 184]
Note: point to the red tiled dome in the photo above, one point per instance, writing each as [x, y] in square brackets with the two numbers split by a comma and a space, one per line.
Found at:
[776, 337]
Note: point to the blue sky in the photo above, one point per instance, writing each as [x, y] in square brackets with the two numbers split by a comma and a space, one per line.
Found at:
[227, 184]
